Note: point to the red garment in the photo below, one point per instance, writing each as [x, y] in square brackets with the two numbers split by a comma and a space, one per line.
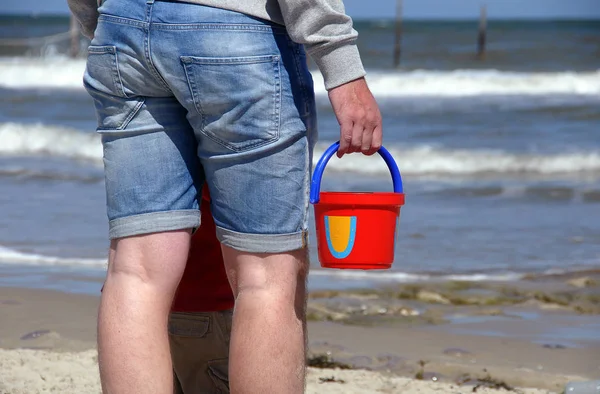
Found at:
[204, 286]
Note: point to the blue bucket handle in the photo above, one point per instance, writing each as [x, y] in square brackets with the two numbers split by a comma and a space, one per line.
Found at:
[315, 187]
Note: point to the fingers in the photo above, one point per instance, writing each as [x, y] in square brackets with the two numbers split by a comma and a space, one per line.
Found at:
[372, 134]
[359, 118]
[357, 136]
[367, 140]
[377, 138]
[346, 129]
[361, 133]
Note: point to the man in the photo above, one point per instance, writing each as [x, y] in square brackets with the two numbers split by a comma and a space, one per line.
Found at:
[200, 319]
[201, 314]
[222, 84]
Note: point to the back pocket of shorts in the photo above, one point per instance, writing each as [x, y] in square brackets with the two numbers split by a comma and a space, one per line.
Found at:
[238, 98]
[102, 79]
[102, 70]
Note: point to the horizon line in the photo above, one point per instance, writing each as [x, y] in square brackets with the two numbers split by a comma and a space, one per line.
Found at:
[384, 18]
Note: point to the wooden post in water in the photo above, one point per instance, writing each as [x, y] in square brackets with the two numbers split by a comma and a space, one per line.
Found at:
[74, 30]
[398, 39]
[482, 32]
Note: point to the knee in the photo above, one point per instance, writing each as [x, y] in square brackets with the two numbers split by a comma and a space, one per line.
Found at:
[271, 279]
[150, 259]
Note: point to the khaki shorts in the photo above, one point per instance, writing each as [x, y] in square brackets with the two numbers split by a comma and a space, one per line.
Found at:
[200, 351]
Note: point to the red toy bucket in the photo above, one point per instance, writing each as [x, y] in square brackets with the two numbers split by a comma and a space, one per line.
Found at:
[356, 230]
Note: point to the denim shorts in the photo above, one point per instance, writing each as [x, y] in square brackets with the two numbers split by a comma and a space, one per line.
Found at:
[187, 94]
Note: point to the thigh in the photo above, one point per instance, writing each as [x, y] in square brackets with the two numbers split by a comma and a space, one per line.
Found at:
[200, 350]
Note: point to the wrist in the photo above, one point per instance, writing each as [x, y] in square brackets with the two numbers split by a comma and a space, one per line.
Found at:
[339, 65]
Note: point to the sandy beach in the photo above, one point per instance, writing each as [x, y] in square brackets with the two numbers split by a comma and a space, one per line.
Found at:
[27, 371]
[47, 345]
[38, 371]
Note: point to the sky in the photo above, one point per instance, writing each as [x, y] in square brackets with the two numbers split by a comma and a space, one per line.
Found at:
[413, 9]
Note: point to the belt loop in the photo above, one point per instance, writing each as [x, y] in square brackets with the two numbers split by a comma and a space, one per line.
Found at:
[149, 2]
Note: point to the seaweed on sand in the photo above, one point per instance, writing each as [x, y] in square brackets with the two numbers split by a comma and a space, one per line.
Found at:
[486, 382]
[325, 361]
[421, 372]
[331, 379]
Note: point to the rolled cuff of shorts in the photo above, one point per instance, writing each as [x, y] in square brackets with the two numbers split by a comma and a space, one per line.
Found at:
[262, 243]
[339, 65]
[154, 222]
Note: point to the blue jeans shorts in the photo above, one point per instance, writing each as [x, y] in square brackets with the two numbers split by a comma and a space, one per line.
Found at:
[187, 94]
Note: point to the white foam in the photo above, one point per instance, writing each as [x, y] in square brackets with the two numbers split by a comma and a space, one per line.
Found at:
[459, 83]
[68, 73]
[50, 72]
[404, 277]
[10, 256]
[42, 140]
[14, 257]
[389, 276]
[29, 173]
[504, 277]
[39, 139]
[427, 160]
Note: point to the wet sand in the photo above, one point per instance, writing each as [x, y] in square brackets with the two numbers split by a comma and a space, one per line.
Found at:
[47, 342]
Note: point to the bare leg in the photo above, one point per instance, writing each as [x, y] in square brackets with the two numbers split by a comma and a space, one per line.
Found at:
[268, 339]
[133, 346]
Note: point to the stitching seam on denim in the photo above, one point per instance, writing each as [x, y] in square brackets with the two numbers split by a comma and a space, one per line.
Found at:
[277, 100]
[192, 87]
[132, 114]
[218, 27]
[301, 79]
[147, 48]
[119, 79]
[121, 20]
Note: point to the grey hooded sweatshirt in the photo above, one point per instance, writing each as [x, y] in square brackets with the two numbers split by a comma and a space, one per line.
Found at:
[322, 26]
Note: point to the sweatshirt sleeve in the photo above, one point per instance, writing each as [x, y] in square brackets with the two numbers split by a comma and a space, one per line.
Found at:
[323, 27]
[86, 13]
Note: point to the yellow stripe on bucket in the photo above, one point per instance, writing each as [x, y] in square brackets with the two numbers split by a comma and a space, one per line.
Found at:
[340, 232]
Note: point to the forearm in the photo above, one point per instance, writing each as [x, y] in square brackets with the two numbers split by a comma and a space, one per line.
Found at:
[86, 13]
[327, 33]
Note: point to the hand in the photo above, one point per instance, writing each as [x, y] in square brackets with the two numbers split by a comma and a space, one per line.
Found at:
[358, 115]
